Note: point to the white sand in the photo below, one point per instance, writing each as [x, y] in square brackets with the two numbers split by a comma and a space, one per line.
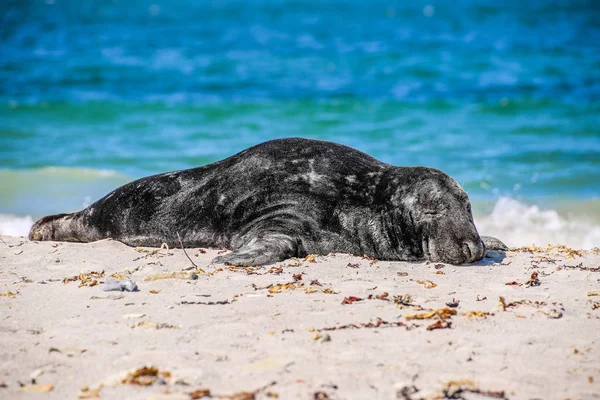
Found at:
[72, 337]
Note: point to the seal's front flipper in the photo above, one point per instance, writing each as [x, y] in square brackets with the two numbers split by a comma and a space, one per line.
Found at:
[261, 251]
[491, 243]
[494, 248]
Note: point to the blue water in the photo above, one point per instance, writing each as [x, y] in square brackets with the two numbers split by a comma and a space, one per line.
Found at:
[503, 96]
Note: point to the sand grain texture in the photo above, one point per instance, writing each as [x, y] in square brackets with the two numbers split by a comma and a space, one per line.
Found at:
[284, 331]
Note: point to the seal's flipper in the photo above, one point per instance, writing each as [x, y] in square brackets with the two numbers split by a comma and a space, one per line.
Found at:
[491, 243]
[260, 251]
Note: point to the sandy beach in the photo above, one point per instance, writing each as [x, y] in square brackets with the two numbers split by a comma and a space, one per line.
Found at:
[522, 325]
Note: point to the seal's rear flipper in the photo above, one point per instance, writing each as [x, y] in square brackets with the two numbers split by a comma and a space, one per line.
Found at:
[491, 243]
[261, 251]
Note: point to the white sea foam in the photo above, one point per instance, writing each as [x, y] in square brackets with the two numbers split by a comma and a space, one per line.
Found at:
[13, 225]
[519, 224]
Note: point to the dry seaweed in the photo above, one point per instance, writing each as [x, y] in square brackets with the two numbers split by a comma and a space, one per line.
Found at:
[442, 313]
[88, 279]
[379, 323]
[87, 393]
[146, 376]
[206, 303]
[37, 388]
[559, 248]
[199, 393]
[440, 325]
[351, 300]
[427, 283]
[456, 390]
[311, 258]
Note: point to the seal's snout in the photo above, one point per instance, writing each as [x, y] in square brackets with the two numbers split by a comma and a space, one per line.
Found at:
[473, 250]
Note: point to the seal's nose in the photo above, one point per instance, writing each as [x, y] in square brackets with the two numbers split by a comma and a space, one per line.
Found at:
[473, 250]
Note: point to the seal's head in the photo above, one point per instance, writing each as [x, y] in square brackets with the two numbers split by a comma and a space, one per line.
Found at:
[441, 210]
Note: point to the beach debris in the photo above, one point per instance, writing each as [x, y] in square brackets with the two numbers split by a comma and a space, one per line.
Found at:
[243, 395]
[3, 384]
[154, 325]
[134, 316]
[477, 314]
[379, 323]
[146, 376]
[278, 288]
[320, 396]
[109, 297]
[199, 393]
[541, 306]
[351, 299]
[372, 260]
[533, 280]
[43, 388]
[383, 296]
[207, 303]
[154, 291]
[441, 324]
[88, 279]
[69, 352]
[184, 252]
[481, 299]
[297, 277]
[189, 275]
[439, 266]
[403, 300]
[402, 273]
[427, 283]
[311, 258]
[456, 390]
[351, 265]
[513, 283]
[406, 392]
[558, 248]
[150, 253]
[87, 393]
[117, 285]
[12, 295]
[454, 303]
[442, 313]
[578, 267]
[294, 263]
[595, 305]
[593, 293]
[275, 270]
[41, 371]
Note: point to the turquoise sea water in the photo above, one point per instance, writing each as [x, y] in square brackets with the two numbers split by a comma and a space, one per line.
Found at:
[503, 96]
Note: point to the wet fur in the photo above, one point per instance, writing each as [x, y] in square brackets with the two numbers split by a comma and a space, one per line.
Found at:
[285, 198]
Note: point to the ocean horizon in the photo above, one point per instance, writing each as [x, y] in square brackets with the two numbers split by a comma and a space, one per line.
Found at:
[505, 98]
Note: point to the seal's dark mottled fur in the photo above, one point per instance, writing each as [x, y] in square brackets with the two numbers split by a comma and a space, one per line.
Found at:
[285, 198]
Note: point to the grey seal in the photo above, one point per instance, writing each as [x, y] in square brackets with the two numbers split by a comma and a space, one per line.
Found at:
[287, 198]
